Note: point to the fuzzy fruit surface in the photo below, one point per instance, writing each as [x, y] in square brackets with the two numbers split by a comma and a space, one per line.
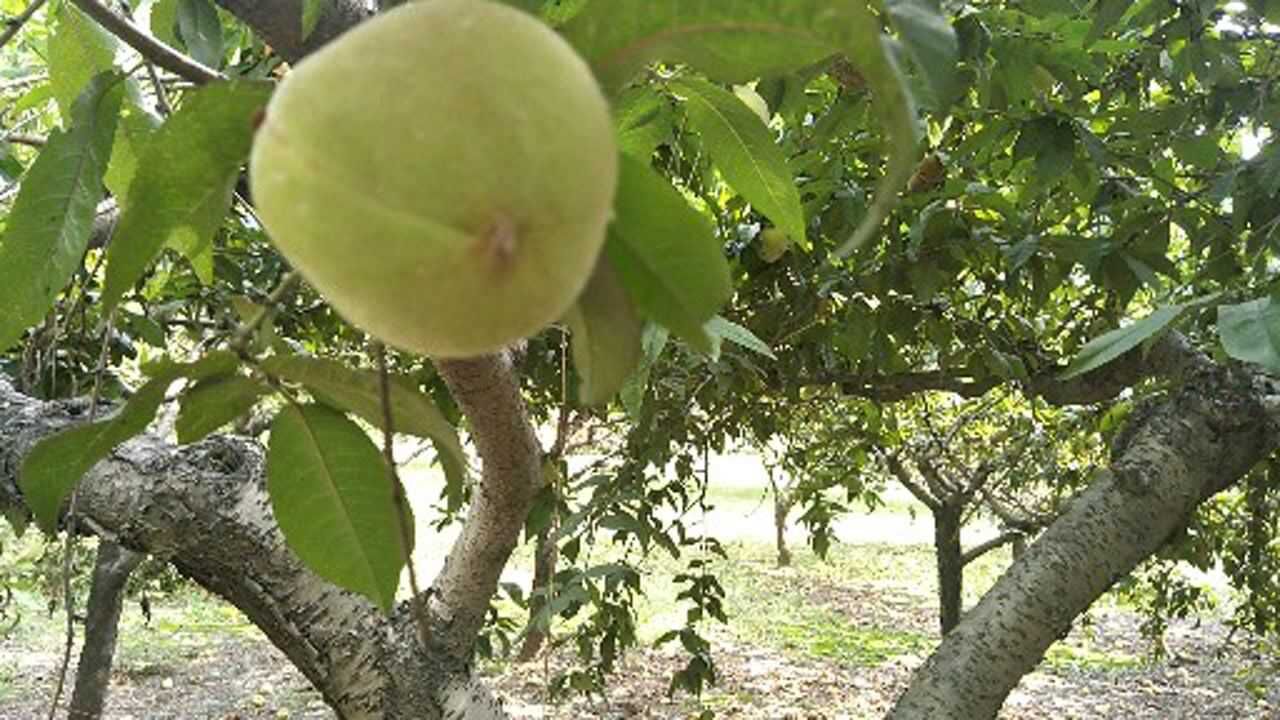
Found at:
[443, 174]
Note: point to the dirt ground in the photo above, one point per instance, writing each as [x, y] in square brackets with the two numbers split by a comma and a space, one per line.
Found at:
[241, 677]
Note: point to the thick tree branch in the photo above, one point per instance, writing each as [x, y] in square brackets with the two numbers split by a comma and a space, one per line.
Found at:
[279, 23]
[146, 45]
[1199, 441]
[488, 391]
[204, 507]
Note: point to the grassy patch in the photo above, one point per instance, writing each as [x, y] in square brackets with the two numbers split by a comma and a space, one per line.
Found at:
[1067, 657]
[828, 636]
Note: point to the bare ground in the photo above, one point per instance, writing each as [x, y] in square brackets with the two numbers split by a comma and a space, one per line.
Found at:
[237, 675]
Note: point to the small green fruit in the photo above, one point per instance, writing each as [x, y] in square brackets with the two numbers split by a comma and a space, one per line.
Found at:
[443, 174]
[773, 244]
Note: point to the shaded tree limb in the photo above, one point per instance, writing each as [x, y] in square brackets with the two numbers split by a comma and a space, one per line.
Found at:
[1165, 358]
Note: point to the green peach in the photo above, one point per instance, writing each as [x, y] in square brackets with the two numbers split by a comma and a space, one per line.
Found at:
[774, 243]
[443, 174]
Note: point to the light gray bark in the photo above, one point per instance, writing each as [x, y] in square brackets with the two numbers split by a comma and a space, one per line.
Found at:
[1195, 443]
[204, 508]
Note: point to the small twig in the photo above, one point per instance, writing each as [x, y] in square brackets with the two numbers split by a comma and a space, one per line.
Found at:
[244, 334]
[148, 46]
[162, 97]
[403, 516]
[69, 542]
[23, 81]
[25, 139]
[15, 24]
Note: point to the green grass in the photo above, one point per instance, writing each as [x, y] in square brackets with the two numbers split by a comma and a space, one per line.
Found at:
[1065, 657]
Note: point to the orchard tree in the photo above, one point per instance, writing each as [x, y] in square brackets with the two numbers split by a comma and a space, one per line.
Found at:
[1056, 169]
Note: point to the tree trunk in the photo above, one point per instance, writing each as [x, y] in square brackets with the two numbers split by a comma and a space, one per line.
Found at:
[781, 509]
[1259, 534]
[950, 559]
[1194, 444]
[545, 556]
[111, 571]
[1019, 547]
[204, 507]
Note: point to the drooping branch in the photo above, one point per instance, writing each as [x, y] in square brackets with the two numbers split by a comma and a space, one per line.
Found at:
[1168, 357]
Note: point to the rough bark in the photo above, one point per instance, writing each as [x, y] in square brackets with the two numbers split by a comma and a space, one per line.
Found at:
[781, 509]
[950, 560]
[1195, 443]
[279, 23]
[204, 508]
[488, 392]
[111, 571]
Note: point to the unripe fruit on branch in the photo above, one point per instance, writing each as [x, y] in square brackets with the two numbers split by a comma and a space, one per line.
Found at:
[773, 244]
[443, 174]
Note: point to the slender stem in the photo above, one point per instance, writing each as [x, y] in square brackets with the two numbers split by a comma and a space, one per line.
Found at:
[162, 97]
[68, 546]
[25, 139]
[15, 24]
[244, 334]
[148, 46]
[403, 517]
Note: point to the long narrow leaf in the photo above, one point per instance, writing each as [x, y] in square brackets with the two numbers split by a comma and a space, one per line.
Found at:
[48, 230]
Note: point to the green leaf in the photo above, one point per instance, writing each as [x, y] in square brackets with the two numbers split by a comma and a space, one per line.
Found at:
[729, 40]
[1106, 13]
[931, 41]
[184, 182]
[164, 22]
[644, 120]
[896, 111]
[335, 501]
[48, 230]
[652, 342]
[1109, 346]
[666, 254]
[55, 464]
[360, 392]
[606, 336]
[201, 31]
[132, 133]
[311, 12]
[743, 148]
[214, 402]
[735, 333]
[1050, 143]
[79, 50]
[1250, 332]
